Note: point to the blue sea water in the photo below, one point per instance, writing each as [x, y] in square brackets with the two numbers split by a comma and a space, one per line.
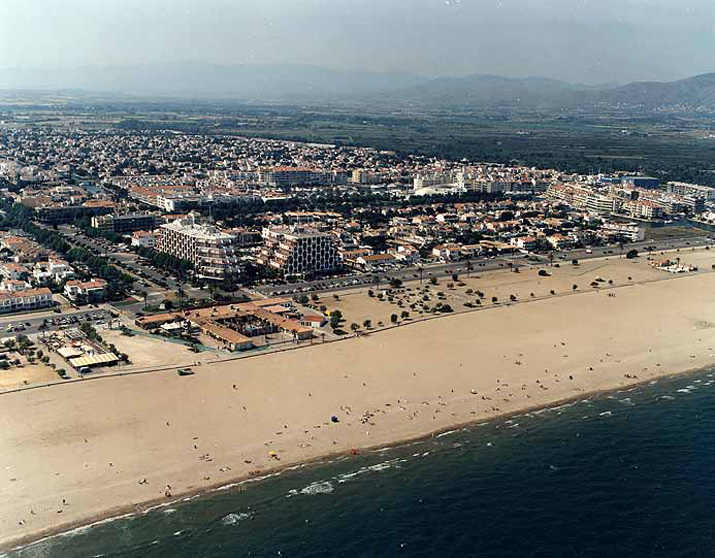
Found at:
[627, 474]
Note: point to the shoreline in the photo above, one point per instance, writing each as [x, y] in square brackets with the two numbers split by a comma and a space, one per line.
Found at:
[123, 512]
[121, 441]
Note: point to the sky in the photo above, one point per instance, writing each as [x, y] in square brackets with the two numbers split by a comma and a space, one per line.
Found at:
[586, 41]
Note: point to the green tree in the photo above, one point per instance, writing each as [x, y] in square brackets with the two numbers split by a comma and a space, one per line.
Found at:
[336, 317]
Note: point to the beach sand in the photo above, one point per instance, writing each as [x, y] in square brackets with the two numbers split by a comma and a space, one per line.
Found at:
[73, 452]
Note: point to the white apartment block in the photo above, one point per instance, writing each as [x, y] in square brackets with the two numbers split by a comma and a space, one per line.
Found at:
[292, 176]
[297, 251]
[212, 252]
[25, 300]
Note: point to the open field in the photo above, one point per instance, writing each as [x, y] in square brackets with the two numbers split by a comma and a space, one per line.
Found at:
[148, 352]
[665, 233]
[420, 300]
[28, 374]
[196, 432]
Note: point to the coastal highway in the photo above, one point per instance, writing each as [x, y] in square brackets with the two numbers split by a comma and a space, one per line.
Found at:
[479, 265]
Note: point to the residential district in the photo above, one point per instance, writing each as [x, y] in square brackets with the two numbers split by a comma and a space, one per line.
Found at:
[113, 241]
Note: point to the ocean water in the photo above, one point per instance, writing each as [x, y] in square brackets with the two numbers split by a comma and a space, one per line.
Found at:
[629, 474]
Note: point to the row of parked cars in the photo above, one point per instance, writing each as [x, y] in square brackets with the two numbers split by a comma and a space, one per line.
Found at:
[325, 285]
[67, 320]
[19, 327]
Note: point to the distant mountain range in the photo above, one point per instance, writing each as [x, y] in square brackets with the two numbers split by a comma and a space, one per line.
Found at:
[310, 83]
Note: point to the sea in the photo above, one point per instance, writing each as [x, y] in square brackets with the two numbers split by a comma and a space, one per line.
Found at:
[629, 473]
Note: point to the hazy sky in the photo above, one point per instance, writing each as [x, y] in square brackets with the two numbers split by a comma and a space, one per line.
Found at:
[579, 40]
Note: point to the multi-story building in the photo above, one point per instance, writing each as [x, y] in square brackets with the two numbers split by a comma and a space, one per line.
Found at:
[643, 209]
[124, 223]
[632, 232]
[292, 176]
[211, 251]
[53, 270]
[692, 190]
[363, 176]
[298, 251]
[25, 300]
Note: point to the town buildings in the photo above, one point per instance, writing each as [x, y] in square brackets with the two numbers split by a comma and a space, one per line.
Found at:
[28, 299]
[211, 251]
[124, 223]
[298, 251]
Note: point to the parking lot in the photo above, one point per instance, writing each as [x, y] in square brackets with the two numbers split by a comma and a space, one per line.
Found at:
[30, 325]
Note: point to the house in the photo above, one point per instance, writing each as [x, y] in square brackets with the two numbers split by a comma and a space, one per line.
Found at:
[144, 239]
[446, 251]
[54, 269]
[375, 260]
[14, 271]
[559, 241]
[471, 250]
[89, 290]
[407, 253]
[527, 243]
[14, 285]
[313, 320]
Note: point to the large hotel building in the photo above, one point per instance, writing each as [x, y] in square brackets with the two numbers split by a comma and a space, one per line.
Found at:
[298, 251]
[212, 252]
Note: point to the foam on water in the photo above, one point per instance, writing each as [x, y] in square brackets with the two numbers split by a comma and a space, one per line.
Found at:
[372, 513]
[318, 488]
[234, 518]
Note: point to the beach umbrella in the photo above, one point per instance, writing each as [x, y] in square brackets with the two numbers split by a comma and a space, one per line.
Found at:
[334, 419]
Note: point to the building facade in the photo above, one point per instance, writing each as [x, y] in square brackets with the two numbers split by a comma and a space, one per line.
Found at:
[124, 223]
[298, 251]
[212, 252]
[25, 300]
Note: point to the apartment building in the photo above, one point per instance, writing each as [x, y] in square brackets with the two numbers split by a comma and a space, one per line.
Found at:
[211, 251]
[25, 300]
[298, 251]
[124, 223]
[692, 190]
[292, 176]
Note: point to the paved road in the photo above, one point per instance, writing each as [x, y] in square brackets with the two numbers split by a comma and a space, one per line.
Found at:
[61, 320]
[128, 259]
[479, 265]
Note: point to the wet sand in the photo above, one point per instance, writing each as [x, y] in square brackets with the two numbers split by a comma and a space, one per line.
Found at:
[74, 452]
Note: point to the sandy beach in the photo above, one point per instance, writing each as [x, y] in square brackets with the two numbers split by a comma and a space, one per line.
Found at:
[73, 452]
